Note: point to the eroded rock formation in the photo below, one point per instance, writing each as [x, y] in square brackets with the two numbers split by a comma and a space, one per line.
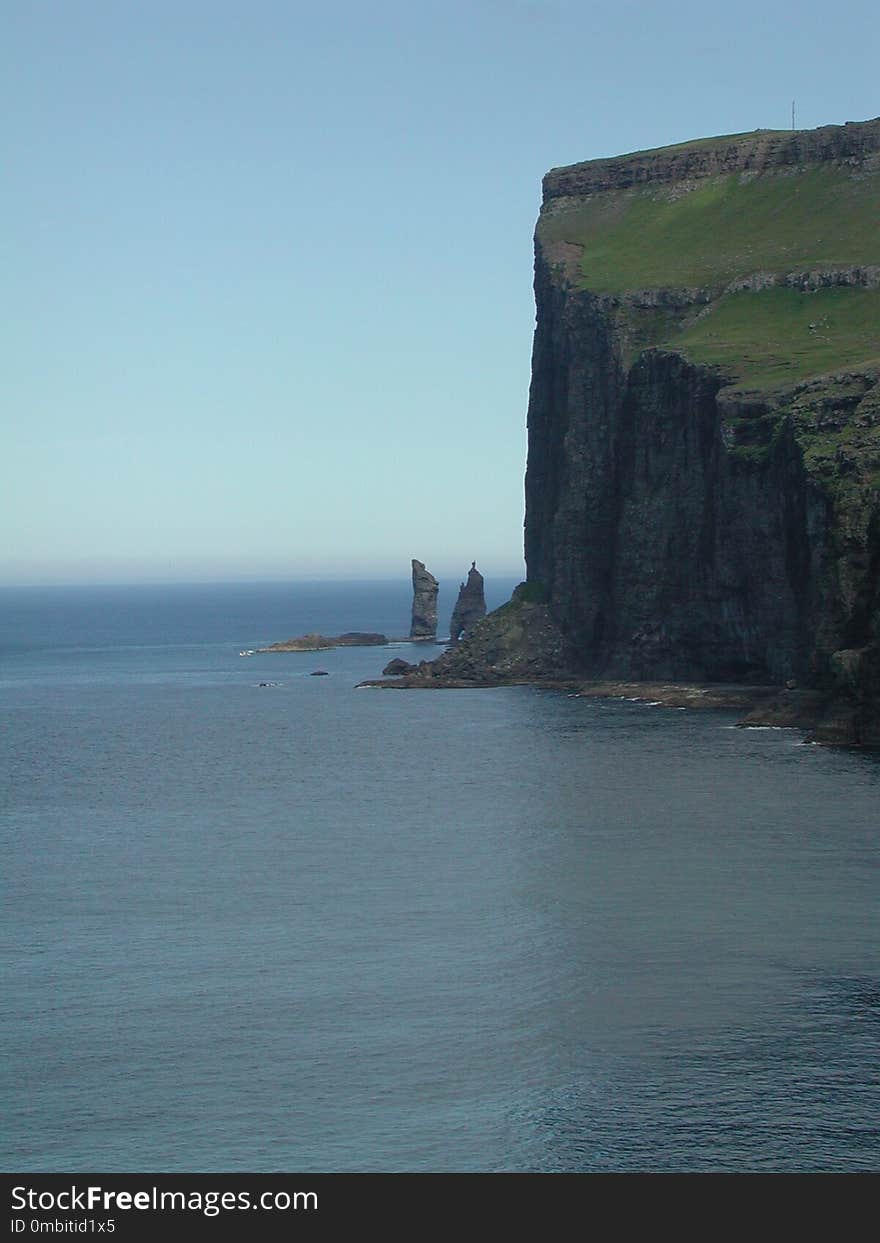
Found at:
[424, 606]
[470, 607]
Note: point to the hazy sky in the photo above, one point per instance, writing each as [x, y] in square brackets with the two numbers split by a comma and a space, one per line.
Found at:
[268, 264]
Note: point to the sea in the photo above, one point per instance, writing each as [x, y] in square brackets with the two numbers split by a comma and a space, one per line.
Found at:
[259, 920]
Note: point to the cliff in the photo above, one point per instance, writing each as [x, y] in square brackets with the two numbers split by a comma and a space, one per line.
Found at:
[704, 416]
[703, 480]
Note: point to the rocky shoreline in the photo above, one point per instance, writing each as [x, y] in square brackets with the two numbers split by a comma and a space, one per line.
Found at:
[521, 645]
[762, 706]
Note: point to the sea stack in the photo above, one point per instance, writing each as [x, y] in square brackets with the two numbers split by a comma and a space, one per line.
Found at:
[470, 606]
[424, 606]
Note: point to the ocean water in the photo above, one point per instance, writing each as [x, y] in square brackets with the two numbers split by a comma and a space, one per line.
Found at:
[307, 927]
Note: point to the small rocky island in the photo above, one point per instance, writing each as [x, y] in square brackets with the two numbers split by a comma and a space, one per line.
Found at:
[322, 643]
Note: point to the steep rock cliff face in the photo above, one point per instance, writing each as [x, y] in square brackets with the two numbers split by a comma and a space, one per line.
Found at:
[704, 456]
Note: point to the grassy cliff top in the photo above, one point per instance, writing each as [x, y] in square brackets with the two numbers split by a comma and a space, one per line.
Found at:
[717, 229]
[711, 214]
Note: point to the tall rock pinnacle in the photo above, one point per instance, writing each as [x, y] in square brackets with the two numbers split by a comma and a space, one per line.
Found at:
[424, 606]
[470, 606]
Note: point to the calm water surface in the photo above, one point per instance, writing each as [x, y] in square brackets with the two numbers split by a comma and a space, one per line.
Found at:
[309, 927]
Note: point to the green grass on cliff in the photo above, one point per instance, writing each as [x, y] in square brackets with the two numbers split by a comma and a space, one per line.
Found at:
[775, 337]
[724, 228]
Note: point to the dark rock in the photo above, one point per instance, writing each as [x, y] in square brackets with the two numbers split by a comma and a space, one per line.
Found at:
[424, 606]
[518, 641]
[396, 667]
[358, 638]
[319, 673]
[470, 607]
[668, 550]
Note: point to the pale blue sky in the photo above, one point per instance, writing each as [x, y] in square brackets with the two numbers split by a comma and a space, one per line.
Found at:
[268, 265]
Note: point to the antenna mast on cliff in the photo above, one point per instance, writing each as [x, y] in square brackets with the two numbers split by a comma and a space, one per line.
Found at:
[792, 114]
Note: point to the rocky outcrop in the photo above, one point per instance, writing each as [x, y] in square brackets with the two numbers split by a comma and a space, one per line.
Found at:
[396, 667]
[517, 643]
[424, 605]
[470, 607]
